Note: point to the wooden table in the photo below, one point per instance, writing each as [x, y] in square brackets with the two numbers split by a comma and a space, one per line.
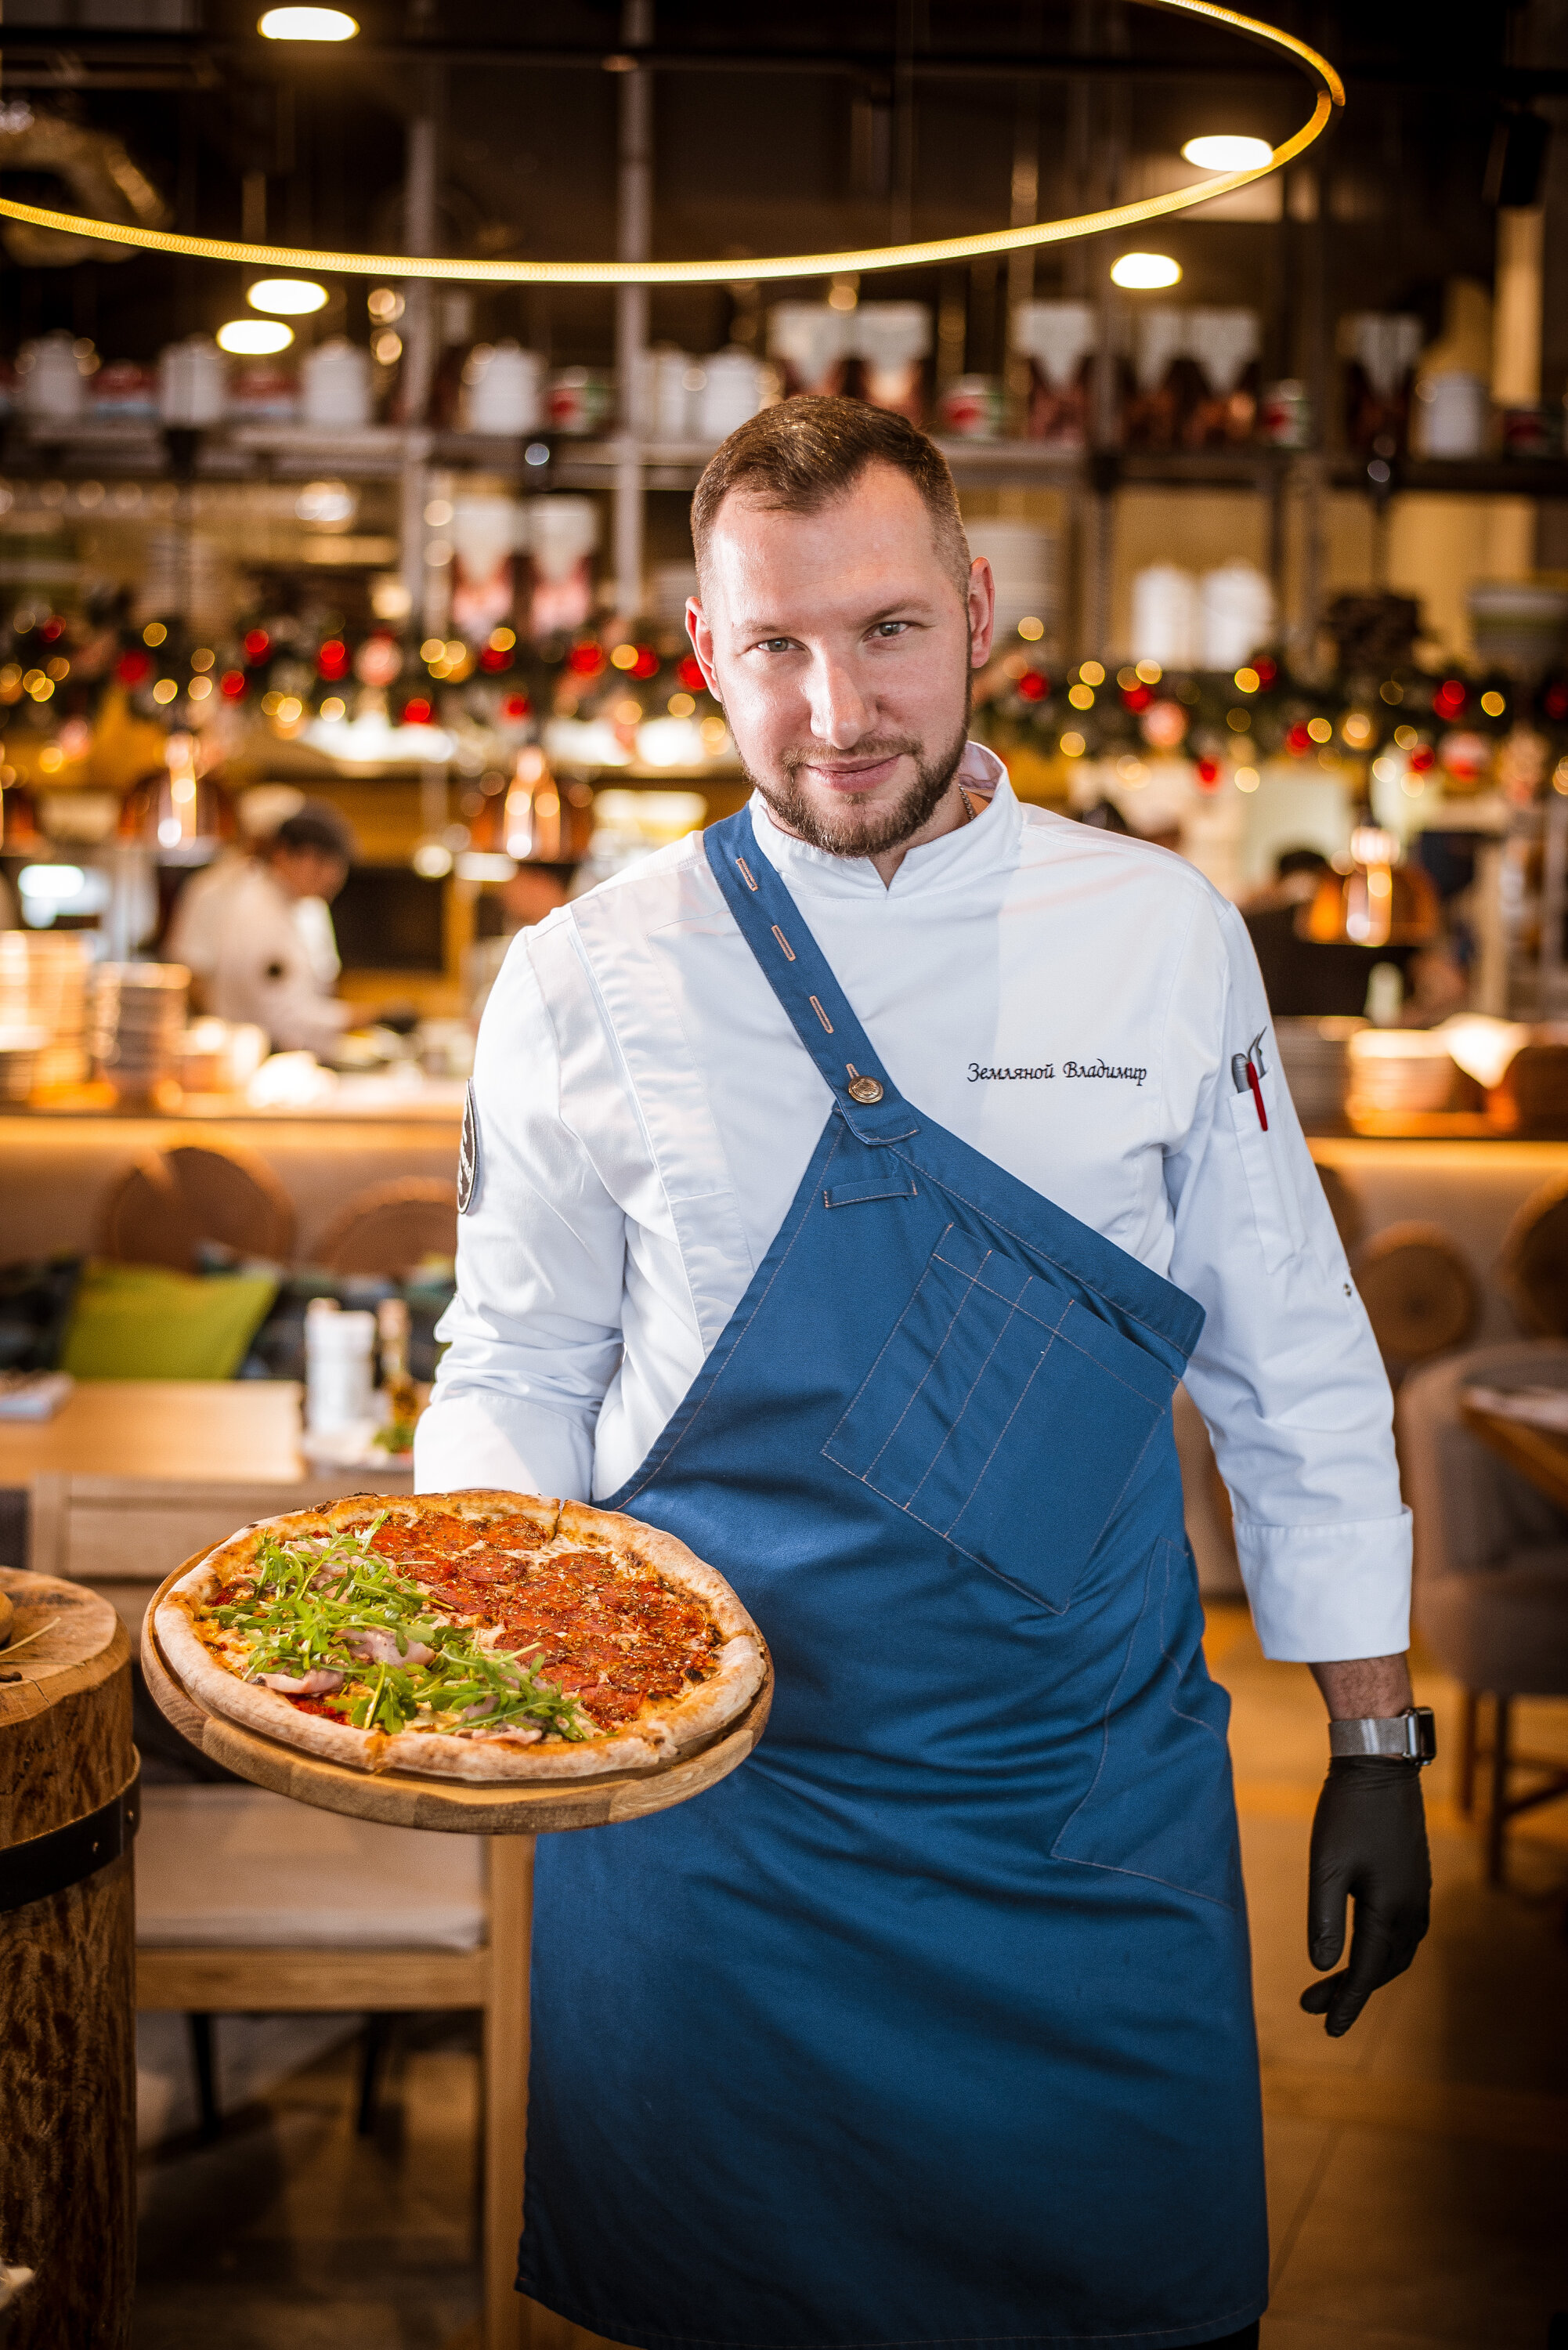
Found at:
[134, 1472]
[1540, 1454]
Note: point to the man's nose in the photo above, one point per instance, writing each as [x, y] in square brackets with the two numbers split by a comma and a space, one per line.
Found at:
[840, 713]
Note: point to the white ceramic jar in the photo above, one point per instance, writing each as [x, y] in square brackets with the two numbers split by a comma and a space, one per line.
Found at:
[193, 383]
[339, 1375]
[335, 383]
[52, 388]
[501, 388]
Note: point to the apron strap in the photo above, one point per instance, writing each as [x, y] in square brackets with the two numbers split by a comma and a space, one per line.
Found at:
[797, 971]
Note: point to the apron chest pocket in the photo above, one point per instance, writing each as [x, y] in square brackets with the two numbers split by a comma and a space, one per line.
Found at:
[1003, 1415]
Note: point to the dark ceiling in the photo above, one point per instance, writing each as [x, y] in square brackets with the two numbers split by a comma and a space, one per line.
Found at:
[791, 130]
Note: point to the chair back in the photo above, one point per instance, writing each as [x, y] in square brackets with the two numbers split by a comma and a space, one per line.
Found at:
[1534, 1266]
[391, 1227]
[1473, 1511]
[1419, 1293]
[172, 1200]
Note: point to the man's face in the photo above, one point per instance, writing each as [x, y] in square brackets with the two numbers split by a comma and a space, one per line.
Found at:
[309, 872]
[842, 649]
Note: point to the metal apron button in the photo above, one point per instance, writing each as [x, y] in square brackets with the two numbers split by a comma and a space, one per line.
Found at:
[865, 1089]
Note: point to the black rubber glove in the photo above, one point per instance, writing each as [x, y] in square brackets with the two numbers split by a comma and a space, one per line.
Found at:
[1369, 1841]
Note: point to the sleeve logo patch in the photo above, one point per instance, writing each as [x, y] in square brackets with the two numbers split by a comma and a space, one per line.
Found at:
[468, 1156]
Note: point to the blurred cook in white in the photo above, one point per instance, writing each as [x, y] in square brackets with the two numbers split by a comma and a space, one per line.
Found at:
[262, 944]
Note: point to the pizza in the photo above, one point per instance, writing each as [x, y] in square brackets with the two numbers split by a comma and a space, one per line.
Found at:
[476, 1635]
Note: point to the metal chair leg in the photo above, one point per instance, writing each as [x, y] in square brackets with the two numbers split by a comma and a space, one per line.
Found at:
[1469, 1710]
[375, 2041]
[203, 2054]
[1497, 1812]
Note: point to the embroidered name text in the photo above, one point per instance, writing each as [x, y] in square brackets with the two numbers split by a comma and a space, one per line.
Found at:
[1102, 1069]
[979, 1075]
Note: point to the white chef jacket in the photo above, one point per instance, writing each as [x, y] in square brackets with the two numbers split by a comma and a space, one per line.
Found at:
[1065, 1000]
[272, 959]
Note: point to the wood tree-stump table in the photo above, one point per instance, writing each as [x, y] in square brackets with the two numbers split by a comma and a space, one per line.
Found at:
[68, 2057]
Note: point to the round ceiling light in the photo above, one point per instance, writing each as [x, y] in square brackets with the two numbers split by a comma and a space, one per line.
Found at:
[1142, 272]
[307, 25]
[254, 338]
[287, 297]
[1225, 151]
[936, 250]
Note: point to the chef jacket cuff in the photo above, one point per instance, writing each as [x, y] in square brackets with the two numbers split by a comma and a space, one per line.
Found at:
[1321, 1593]
[460, 1442]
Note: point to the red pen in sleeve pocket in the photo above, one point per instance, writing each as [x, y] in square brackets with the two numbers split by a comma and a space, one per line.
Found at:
[1247, 1069]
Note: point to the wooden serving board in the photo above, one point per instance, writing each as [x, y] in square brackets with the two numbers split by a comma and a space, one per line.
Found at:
[402, 1799]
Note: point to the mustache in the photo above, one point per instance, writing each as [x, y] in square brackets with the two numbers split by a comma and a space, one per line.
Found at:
[880, 746]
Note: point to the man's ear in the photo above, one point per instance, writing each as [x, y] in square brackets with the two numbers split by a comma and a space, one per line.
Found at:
[702, 636]
[982, 604]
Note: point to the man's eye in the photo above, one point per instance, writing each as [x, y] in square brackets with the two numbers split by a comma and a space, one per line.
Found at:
[775, 644]
[889, 628]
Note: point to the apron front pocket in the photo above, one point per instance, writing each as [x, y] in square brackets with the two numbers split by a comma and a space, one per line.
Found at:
[1005, 1416]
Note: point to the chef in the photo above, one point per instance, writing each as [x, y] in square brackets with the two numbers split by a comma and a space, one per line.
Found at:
[845, 1190]
[265, 947]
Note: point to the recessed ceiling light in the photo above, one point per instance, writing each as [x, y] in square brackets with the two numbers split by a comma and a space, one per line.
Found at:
[307, 25]
[254, 339]
[1227, 152]
[1142, 270]
[287, 297]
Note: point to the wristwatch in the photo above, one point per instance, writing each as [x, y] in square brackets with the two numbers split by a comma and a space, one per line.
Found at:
[1412, 1736]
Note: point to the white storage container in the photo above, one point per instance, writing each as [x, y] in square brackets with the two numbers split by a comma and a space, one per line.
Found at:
[335, 383]
[1164, 615]
[339, 1357]
[503, 389]
[1452, 412]
[193, 383]
[1236, 615]
[729, 393]
[50, 381]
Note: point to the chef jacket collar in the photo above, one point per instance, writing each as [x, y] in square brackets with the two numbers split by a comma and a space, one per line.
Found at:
[989, 845]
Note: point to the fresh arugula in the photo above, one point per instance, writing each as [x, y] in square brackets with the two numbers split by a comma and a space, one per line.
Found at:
[307, 1602]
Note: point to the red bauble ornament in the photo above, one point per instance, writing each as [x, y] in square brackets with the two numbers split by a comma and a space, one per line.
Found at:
[1423, 759]
[1208, 775]
[1137, 697]
[1032, 686]
[416, 712]
[689, 672]
[258, 644]
[1298, 741]
[646, 662]
[233, 685]
[586, 659]
[133, 667]
[517, 705]
[332, 659]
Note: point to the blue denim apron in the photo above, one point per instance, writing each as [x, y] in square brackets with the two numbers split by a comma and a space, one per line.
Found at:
[932, 2023]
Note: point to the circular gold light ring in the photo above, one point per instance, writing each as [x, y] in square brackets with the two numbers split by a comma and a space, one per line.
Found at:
[295, 259]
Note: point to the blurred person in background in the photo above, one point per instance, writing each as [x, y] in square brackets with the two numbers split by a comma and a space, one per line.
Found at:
[262, 942]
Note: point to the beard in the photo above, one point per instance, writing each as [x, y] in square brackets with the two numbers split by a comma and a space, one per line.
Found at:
[847, 829]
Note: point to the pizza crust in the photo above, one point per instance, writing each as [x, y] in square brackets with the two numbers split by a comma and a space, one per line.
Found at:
[665, 1732]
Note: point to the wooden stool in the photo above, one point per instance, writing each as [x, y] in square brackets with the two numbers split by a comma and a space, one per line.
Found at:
[67, 2059]
[391, 1227]
[191, 1191]
[1418, 1292]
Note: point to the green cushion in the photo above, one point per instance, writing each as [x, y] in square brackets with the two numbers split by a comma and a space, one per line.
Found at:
[143, 1322]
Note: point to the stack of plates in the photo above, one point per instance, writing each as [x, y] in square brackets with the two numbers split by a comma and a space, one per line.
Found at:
[1315, 1060]
[44, 987]
[19, 1050]
[1399, 1073]
[139, 1024]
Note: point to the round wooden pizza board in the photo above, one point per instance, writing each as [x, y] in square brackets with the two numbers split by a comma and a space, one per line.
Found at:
[402, 1799]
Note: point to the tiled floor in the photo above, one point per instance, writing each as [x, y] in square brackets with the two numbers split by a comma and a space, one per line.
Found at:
[1418, 2168]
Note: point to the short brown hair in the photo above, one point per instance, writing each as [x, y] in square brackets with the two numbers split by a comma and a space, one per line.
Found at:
[798, 456]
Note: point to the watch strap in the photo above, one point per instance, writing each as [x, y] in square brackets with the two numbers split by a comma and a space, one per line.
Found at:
[1410, 1736]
